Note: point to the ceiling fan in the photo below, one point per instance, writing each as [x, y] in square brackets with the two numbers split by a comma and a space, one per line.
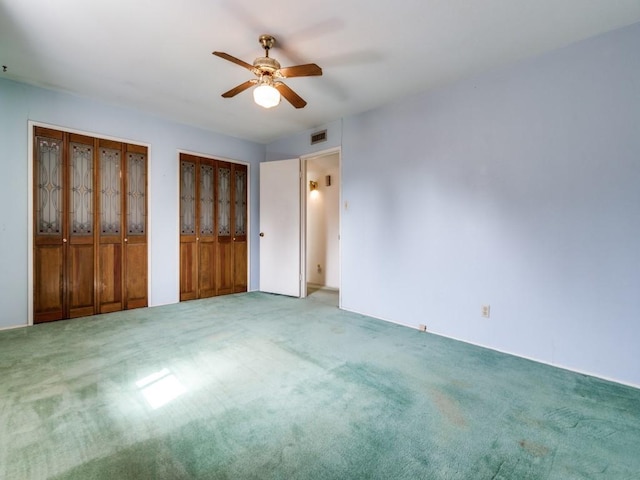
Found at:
[269, 87]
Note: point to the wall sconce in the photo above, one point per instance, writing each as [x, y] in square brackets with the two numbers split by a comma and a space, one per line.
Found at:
[313, 186]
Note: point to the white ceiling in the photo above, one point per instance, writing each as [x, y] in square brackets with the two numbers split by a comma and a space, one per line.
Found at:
[155, 55]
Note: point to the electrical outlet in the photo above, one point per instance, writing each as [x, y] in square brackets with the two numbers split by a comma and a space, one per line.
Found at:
[422, 328]
[486, 311]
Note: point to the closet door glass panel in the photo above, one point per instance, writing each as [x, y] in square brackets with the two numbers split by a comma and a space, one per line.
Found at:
[136, 194]
[224, 201]
[187, 198]
[81, 205]
[49, 186]
[240, 226]
[206, 199]
[111, 202]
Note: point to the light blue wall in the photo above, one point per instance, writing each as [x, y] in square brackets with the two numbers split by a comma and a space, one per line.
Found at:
[519, 188]
[20, 103]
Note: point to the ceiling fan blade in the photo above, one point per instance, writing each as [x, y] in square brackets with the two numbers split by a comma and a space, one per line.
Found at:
[233, 59]
[240, 88]
[308, 70]
[292, 97]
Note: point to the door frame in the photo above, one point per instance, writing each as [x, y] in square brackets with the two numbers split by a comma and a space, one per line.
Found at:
[303, 218]
[31, 124]
[177, 220]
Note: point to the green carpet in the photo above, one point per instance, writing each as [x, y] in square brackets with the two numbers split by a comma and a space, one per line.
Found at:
[258, 386]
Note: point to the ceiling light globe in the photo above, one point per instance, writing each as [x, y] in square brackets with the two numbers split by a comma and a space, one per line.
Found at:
[266, 96]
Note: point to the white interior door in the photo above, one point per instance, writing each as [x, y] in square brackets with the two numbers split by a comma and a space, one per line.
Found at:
[280, 227]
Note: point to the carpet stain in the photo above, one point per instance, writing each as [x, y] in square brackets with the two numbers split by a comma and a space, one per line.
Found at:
[533, 448]
[449, 408]
[48, 406]
[301, 354]
[88, 392]
[460, 384]
[386, 383]
[564, 417]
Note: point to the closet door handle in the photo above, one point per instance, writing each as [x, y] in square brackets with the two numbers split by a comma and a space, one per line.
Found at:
[262, 234]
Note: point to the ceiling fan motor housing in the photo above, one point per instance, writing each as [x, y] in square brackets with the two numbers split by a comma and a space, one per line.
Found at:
[266, 65]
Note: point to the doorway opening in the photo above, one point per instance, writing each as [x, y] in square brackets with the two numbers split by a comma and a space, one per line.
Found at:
[321, 260]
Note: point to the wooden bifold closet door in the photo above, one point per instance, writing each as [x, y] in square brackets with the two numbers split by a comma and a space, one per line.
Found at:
[213, 227]
[90, 224]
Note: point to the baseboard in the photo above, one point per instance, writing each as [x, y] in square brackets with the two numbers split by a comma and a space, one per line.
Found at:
[323, 287]
[562, 367]
[12, 327]
[537, 360]
[415, 327]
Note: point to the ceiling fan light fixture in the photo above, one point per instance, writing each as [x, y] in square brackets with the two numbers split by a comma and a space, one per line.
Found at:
[266, 96]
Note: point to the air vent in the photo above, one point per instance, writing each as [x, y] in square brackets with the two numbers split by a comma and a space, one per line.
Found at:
[318, 137]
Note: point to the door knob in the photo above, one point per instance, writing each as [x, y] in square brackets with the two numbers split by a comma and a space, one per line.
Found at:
[262, 234]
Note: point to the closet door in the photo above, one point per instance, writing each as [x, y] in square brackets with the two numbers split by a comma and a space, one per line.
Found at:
[80, 264]
[188, 226]
[110, 206]
[90, 224]
[122, 205]
[224, 246]
[231, 251]
[50, 226]
[213, 227]
[63, 226]
[240, 228]
[206, 228]
[135, 240]
[197, 227]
